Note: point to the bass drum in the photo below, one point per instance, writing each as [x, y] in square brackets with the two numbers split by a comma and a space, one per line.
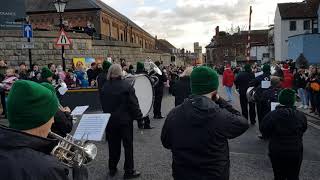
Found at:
[144, 92]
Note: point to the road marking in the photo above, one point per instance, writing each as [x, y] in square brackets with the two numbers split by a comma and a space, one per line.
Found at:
[314, 125]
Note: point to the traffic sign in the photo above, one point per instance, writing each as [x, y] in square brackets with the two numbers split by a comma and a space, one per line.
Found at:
[27, 31]
[28, 45]
[63, 39]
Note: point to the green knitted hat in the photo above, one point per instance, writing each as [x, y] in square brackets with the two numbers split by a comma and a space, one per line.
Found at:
[266, 68]
[247, 68]
[30, 105]
[204, 80]
[106, 65]
[45, 73]
[140, 66]
[287, 97]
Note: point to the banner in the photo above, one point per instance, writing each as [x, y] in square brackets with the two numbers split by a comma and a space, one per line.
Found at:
[84, 63]
[10, 11]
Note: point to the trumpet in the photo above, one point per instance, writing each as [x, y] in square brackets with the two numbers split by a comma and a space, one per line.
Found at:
[72, 152]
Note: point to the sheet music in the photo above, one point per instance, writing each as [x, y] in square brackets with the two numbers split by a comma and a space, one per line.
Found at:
[79, 110]
[92, 126]
[274, 105]
[258, 74]
[265, 84]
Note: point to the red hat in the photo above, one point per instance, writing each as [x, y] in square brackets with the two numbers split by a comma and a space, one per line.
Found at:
[285, 66]
[228, 66]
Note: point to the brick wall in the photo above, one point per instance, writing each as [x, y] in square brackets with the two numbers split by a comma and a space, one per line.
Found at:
[46, 52]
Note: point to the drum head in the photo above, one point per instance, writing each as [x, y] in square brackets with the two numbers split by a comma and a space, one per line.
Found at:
[144, 93]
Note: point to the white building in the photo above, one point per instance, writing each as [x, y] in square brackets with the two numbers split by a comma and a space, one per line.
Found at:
[260, 53]
[293, 19]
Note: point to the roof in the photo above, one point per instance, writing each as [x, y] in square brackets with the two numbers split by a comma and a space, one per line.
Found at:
[297, 10]
[164, 45]
[40, 6]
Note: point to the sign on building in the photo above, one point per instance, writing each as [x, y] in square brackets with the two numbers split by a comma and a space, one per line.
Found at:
[63, 39]
[10, 11]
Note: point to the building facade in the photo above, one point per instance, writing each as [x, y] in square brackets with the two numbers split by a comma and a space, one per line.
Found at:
[81, 15]
[293, 19]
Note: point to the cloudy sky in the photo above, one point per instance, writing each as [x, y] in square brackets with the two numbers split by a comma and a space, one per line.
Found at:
[183, 22]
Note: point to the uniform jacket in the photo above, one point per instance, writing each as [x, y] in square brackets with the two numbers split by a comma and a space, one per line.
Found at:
[287, 79]
[228, 78]
[268, 96]
[25, 157]
[197, 133]
[181, 90]
[242, 82]
[285, 128]
[119, 99]
[257, 84]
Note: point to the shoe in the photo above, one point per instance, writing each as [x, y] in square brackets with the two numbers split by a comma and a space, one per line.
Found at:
[131, 175]
[261, 137]
[305, 107]
[112, 173]
[300, 107]
[148, 127]
[158, 117]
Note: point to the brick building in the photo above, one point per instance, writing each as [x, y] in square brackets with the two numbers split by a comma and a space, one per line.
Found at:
[227, 48]
[80, 15]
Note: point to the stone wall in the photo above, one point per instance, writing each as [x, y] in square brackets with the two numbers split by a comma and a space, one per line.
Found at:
[45, 50]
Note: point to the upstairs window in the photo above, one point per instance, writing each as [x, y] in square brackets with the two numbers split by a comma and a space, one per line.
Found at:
[306, 25]
[293, 25]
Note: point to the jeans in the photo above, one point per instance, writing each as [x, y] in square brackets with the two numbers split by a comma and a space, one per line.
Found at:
[229, 93]
[303, 96]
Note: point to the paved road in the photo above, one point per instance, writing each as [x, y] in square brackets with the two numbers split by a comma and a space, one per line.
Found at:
[248, 154]
[249, 160]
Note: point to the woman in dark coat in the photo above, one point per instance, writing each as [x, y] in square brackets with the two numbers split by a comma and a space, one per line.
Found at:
[285, 128]
[182, 88]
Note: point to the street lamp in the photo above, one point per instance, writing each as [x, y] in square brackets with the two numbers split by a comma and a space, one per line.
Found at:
[60, 6]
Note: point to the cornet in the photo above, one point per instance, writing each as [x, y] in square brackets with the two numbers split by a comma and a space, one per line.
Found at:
[72, 152]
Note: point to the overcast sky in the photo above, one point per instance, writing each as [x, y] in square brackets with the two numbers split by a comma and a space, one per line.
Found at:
[183, 22]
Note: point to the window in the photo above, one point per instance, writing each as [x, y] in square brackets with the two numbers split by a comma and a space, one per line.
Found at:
[266, 55]
[306, 25]
[293, 25]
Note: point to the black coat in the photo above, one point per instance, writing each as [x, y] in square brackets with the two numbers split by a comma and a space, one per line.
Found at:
[162, 79]
[181, 90]
[119, 99]
[299, 81]
[257, 84]
[63, 123]
[25, 157]
[242, 82]
[197, 133]
[268, 96]
[285, 128]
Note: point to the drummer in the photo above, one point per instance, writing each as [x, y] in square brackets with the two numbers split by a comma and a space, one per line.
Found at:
[145, 120]
[119, 99]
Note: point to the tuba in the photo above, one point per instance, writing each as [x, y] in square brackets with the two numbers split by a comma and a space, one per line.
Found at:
[152, 71]
[72, 152]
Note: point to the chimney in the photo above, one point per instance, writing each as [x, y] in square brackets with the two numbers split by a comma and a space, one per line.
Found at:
[217, 31]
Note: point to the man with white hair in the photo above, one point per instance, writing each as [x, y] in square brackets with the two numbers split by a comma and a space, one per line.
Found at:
[118, 98]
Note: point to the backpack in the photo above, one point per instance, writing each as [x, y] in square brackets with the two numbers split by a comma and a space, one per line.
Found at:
[315, 86]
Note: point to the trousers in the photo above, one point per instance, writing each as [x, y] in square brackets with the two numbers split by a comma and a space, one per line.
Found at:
[244, 107]
[229, 93]
[286, 166]
[117, 134]
[157, 101]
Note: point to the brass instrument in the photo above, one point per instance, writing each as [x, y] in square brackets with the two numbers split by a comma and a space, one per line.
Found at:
[72, 152]
[152, 71]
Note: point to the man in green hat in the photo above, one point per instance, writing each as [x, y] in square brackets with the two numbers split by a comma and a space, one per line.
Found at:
[46, 75]
[24, 148]
[242, 83]
[285, 127]
[198, 130]
[257, 83]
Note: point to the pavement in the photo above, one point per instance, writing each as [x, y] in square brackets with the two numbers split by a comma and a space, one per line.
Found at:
[248, 154]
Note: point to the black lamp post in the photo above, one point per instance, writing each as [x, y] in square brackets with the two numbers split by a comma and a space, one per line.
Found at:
[60, 6]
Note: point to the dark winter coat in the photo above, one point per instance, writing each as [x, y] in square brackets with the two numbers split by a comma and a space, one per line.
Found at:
[63, 123]
[197, 133]
[181, 90]
[25, 157]
[242, 82]
[119, 99]
[268, 96]
[299, 81]
[257, 84]
[285, 128]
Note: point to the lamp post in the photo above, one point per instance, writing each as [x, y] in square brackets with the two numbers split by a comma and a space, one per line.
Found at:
[60, 6]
